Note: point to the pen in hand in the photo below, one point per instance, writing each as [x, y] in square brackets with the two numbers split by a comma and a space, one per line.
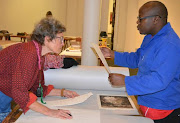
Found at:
[68, 113]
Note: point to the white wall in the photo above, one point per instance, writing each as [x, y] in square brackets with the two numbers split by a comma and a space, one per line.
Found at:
[104, 15]
[21, 15]
[125, 25]
[74, 19]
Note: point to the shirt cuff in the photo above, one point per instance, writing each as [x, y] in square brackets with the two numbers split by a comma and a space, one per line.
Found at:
[50, 87]
[32, 99]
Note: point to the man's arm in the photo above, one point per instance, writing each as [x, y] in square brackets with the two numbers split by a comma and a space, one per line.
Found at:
[124, 59]
[161, 72]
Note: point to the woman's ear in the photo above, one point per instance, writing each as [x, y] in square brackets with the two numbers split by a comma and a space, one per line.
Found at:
[46, 39]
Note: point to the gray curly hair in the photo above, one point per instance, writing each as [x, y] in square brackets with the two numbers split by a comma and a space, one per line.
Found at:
[47, 27]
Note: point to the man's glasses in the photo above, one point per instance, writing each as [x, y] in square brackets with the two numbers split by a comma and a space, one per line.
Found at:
[141, 18]
[60, 39]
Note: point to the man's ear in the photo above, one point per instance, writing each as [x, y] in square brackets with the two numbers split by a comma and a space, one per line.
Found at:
[156, 19]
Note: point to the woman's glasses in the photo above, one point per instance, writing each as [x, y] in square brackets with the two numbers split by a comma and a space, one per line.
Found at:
[60, 39]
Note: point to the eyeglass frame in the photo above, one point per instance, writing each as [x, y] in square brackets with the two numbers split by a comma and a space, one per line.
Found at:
[61, 39]
[141, 18]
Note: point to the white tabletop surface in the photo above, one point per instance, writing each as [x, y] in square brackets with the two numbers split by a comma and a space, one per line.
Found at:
[88, 110]
[69, 52]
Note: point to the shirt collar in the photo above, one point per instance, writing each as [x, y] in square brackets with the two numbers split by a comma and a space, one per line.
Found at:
[164, 29]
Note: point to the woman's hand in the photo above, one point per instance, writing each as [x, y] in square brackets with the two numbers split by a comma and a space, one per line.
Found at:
[70, 94]
[60, 113]
[63, 92]
[63, 114]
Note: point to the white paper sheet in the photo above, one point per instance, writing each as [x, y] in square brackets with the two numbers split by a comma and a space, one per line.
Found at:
[79, 116]
[73, 49]
[83, 77]
[73, 54]
[69, 101]
[98, 51]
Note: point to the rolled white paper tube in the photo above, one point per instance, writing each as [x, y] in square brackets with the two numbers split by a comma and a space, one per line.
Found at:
[83, 77]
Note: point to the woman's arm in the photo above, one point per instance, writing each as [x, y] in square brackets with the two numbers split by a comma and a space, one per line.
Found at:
[65, 93]
[63, 114]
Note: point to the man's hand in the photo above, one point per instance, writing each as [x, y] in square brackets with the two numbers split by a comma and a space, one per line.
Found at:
[107, 52]
[117, 79]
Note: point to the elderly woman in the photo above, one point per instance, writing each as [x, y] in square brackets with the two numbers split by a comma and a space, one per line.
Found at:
[21, 73]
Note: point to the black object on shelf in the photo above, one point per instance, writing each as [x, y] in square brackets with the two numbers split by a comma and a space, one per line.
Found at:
[103, 34]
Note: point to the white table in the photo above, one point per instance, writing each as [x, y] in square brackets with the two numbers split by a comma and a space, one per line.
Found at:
[84, 79]
[71, 53]
[90, 107]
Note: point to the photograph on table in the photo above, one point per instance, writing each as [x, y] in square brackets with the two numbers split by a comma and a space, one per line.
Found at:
[115, 102]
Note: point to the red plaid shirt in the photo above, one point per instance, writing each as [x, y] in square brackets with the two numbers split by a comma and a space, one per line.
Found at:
[19, 73]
